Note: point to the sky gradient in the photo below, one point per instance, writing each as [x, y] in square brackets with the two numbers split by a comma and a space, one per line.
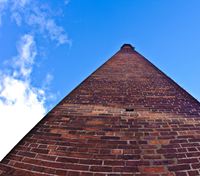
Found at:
[49, 47]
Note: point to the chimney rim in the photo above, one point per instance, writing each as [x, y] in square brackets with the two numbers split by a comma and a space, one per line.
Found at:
[127, 46]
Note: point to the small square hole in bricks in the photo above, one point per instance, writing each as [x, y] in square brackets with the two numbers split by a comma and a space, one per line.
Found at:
[129, 109]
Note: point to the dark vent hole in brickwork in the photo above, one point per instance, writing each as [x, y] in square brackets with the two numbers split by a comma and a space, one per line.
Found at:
[129, 109]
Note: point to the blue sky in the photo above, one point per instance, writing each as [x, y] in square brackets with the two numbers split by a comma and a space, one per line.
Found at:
[48, 47]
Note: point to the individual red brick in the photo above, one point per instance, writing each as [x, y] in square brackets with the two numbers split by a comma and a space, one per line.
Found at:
[188, 160]
[158, 169]
[91, 162]
[125, 169]
[181, 173]
[23, 166]
[193, 173]
[129, 157]
[61, 172]
[117, 151]
[99, 174]
[38, 168]
[67, 160]
[165, 151]
[28, 154]
[43, 151]
[163, 162]
[137, 163]
[100, 169]
[179, 167]
[114, 162]
[95, 122]
[196, 166]
[49, 171]
[193, 154]
[32, 161]
[153, 156]
[159, 142]
[110, 137]
[86, 174]
[73, 173]
[46, 157]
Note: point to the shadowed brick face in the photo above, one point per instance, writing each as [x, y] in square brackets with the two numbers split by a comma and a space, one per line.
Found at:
[127, 118]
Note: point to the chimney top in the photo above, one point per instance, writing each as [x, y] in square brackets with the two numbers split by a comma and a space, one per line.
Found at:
[127, 46]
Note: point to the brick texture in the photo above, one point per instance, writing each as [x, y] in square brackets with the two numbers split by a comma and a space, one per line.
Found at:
[127, 118]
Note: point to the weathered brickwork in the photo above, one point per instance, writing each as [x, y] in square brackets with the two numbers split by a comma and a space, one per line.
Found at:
[127, 118]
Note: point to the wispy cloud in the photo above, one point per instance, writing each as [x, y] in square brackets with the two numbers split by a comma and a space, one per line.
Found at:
[27, 52]
[66, 2]
[2, 7]
[39, 17]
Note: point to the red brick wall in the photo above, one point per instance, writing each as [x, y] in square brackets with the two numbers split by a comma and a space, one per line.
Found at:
[128, 79]
[90, 133]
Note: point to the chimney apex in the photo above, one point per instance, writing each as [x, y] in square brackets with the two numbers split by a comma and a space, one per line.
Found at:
[127, 46]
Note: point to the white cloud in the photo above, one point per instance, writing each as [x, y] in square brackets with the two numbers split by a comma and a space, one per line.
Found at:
[18, 98]
[22, 104]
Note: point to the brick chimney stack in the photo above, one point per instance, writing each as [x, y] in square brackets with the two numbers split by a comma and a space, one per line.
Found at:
[127, 118]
